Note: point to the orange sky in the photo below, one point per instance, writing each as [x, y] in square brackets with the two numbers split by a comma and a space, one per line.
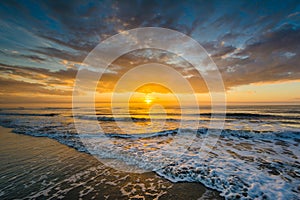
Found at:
[58, 86]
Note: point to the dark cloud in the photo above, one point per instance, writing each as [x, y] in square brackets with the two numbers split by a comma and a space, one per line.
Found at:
[45, 76]
[251, 42]
[272, 57]
[11, 86]
[61, 54]
[34, 58]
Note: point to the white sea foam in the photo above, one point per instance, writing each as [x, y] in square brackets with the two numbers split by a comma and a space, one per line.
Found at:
[257, 155]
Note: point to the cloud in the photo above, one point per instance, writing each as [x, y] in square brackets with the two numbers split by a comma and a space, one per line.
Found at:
[16, 54]
[11, 86]
[272, 57]
[20, 80]
[250, 42]
[61, 54]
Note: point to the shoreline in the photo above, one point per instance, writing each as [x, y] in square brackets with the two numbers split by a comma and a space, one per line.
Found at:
[40, 167]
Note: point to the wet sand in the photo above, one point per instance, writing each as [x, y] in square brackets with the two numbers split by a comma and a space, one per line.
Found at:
[41, 168]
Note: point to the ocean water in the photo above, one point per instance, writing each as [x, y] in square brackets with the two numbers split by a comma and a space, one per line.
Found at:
[256, 154]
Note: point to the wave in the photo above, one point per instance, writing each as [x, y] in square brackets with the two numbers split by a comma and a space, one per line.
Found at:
[144, 135]
[246, 134]
[223, 174]
[249, 116]
[30, 114]
[232, 115]
[244, 164]
[125, 119]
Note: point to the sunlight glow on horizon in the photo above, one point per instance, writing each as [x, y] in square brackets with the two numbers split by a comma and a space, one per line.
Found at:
[148, 100]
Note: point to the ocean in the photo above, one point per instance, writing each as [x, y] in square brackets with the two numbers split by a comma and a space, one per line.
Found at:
[255, 155]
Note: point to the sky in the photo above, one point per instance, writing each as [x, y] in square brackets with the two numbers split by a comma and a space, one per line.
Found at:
[255, 45]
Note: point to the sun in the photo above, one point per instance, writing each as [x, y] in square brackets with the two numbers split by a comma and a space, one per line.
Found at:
[148, 100]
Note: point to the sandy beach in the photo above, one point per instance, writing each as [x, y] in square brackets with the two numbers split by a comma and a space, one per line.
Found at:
[39, 167]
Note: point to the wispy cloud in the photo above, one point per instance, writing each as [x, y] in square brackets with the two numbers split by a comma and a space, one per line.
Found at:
[251, 42]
